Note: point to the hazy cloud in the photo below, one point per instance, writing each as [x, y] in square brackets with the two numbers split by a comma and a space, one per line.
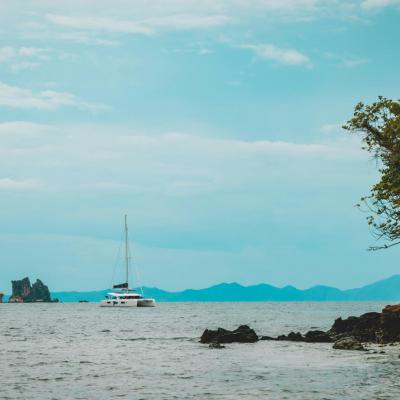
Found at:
[16, 97]
[13, 184]
[379, 3]
[280, 55]
[144, 27]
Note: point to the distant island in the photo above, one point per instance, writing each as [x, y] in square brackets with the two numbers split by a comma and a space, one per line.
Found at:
[388, 289]
[24, 292]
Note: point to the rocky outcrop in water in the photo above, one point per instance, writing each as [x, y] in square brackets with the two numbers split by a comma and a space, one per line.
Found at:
[309, 337]
[24, 292]
[243, 334]
[1, 297]
[372, 327]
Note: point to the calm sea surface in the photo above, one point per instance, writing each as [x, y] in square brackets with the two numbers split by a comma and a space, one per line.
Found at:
[81, 351]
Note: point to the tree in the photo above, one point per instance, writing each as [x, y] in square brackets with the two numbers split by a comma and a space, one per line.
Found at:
[379, 125]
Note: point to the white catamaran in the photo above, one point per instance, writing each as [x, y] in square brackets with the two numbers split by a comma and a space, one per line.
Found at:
[126, 297]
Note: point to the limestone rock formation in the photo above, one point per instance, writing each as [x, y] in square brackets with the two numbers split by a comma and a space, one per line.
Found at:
[243, 334]
[23, 292]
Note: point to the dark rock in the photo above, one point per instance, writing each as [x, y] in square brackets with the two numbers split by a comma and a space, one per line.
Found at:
[392, 309]
[267, 338]
[23, 292]
[243, 334]
[292, 337]
[363, 328]
[389, 327]
[1, 297]
[216, 345]
[372, 327]
[348, 343]
[318, 337]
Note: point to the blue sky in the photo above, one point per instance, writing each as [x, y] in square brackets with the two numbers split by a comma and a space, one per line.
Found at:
[215, 125]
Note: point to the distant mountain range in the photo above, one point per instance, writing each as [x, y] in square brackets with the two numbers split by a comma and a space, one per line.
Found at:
[388, 289]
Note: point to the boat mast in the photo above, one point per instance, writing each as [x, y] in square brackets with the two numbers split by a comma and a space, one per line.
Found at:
[126, 252]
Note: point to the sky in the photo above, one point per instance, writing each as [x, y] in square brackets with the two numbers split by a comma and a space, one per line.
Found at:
[215, 125]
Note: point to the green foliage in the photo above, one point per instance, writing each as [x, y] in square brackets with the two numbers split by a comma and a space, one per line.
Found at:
[379, 125]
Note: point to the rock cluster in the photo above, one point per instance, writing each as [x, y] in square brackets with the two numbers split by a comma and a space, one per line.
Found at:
[371, 327]
[24, 292]
[1, 297]
[243, 334]
[309, 337]
[346, 334]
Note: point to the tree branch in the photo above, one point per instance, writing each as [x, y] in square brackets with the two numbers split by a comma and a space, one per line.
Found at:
[385, 246]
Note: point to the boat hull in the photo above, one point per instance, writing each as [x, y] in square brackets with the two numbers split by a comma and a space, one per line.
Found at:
[128, 303]
[146, 303]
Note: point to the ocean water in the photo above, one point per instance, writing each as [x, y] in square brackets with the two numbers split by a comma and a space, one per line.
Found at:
[82, 351]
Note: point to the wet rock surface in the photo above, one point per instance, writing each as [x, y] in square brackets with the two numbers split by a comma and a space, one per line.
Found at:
[24, 292]
[243, 334]
[348, 343]
[216, 345]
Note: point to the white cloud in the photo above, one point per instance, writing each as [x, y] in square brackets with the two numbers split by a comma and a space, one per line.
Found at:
[344, 61]
[187, 21]
[16, 97]
[145, 27]
[97, 23]
[23, 58]
[113, 159]
[280, 55]
[6, 53]
[13, 184]
[23, 128]
[379, 3]
[24, 65]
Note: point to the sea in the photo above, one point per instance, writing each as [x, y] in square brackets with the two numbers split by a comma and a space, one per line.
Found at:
[81, 351]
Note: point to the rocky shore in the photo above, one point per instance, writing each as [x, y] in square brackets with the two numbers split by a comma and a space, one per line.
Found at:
[24, 292]
[351, 333]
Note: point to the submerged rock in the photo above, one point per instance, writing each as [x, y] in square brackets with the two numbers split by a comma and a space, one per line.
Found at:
[23, 292]
[243, 334]
[216, 345]
[348, 343]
